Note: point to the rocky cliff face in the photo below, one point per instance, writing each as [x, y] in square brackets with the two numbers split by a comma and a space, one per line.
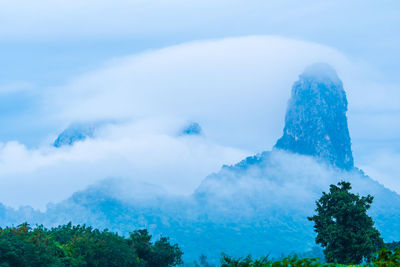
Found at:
[316, 122]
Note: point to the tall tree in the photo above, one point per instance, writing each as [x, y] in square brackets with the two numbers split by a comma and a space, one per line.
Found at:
[343, 228]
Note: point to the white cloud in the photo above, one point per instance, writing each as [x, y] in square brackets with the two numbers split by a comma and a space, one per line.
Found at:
[366, 29]
[236, 88]
[133, 151]
[383, 165]
[283, 182]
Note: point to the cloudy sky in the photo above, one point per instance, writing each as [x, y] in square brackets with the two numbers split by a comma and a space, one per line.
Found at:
[153, 66]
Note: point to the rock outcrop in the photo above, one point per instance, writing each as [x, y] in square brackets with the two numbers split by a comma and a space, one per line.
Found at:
[316, 122]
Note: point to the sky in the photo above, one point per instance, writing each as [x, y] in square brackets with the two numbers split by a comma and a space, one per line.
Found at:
[153, 66]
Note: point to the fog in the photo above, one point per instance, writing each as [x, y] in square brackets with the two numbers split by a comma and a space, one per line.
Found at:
[265, 199]
[235, 88]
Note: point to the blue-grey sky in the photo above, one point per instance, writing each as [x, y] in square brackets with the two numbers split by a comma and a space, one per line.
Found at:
[48, 41]
[227, 64]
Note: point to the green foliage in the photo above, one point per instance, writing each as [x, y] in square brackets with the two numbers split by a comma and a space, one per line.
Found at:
[292, 261]
[392, 245]
[68, 245]
[24, 246]
[387, 258]
[227, 261]
[343, 227]
[384, 258]
[160, 254]
[86, 246]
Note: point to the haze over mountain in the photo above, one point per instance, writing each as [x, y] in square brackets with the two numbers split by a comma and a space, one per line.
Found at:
[261, 203]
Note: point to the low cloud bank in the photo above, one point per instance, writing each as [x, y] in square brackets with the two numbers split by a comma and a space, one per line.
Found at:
[157, 156]
[262, 203]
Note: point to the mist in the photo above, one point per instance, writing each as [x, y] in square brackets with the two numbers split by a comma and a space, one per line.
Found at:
[270, 194]
[235, 88]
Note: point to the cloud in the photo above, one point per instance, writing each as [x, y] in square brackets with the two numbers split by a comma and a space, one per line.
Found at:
[366, 29]
[100, 19]
[235, 88]
[383, 165]
[141, 153]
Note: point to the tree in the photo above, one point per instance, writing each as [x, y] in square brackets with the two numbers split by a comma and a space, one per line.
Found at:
[159, 254]
[343, 228]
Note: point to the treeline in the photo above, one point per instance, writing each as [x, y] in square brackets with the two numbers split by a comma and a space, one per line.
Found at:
[384, 258]
[69, 245]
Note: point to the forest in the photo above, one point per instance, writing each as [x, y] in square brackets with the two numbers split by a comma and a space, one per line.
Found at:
[69, 245]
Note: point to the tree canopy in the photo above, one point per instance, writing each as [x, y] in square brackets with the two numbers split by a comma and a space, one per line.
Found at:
[343, 228]
[69, 245]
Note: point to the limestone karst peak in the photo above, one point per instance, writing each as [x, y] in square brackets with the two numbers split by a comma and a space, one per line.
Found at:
[316, 122]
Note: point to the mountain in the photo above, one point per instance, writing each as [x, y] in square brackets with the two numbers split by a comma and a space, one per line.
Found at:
[192, 128]
[258, 206]
[74, 133]
[316, 122]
